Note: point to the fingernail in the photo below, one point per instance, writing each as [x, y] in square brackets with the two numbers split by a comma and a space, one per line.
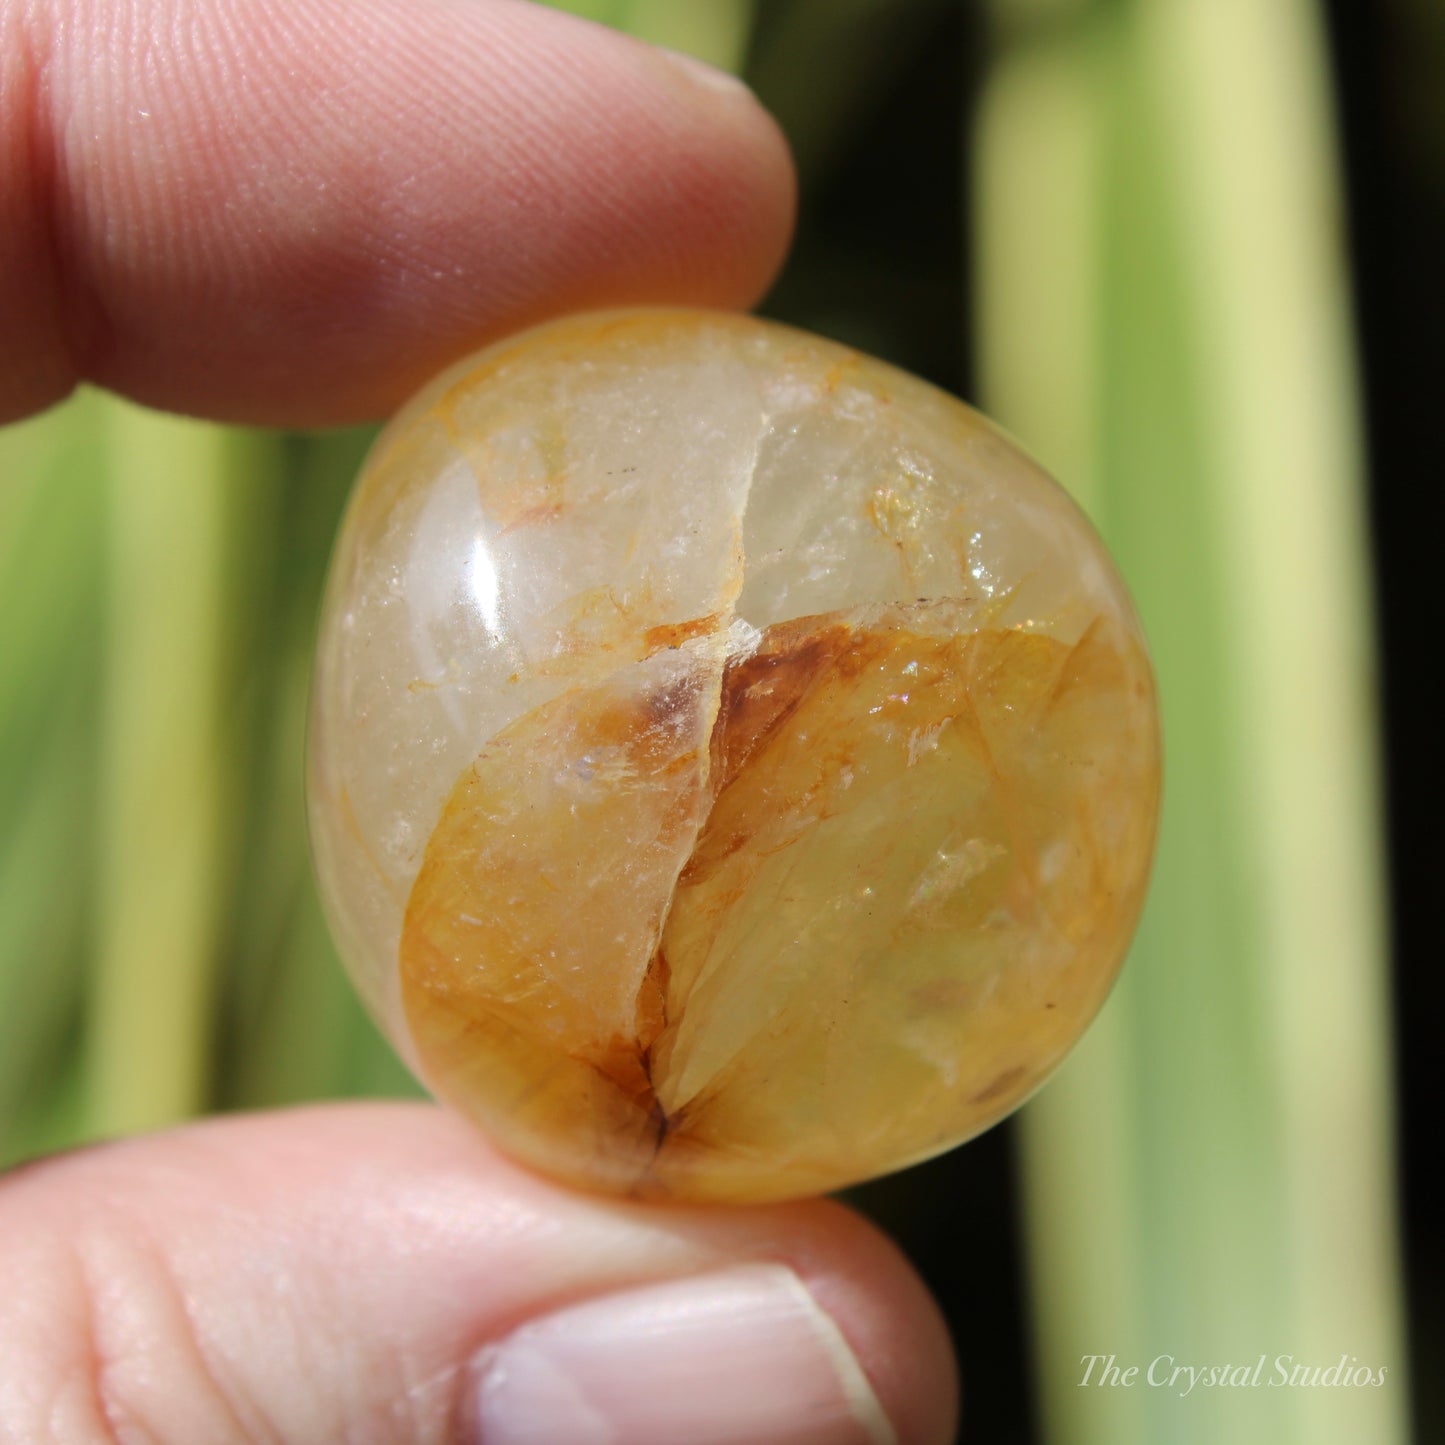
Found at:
[739, 1356]
[703, 73]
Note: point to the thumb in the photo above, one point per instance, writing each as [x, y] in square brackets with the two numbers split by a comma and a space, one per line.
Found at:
[376, 1273]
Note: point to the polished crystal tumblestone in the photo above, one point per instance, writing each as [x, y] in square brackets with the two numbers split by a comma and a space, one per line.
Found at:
[734, 764]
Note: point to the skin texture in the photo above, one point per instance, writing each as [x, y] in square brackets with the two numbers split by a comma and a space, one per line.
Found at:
[332, 1273]
[292, 213]
[274, 211]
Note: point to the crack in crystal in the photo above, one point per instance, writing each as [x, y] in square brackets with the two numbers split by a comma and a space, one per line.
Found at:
[725, 620]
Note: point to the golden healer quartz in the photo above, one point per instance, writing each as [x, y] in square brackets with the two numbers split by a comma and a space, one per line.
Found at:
[734, 764]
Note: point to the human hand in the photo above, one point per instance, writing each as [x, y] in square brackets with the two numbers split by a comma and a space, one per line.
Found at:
[293, 211]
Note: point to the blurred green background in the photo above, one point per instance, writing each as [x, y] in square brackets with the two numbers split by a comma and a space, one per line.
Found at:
[1147, 235]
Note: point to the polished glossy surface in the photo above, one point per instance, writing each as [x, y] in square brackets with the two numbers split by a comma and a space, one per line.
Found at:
[734, 765]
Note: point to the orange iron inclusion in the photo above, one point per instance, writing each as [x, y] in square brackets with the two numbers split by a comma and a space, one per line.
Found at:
[734, 764]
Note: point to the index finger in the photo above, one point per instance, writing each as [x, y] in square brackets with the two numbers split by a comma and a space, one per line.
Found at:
[293, 211]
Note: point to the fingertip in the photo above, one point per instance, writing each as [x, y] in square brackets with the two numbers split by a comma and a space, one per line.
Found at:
[295, 213]
[893, 1324]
